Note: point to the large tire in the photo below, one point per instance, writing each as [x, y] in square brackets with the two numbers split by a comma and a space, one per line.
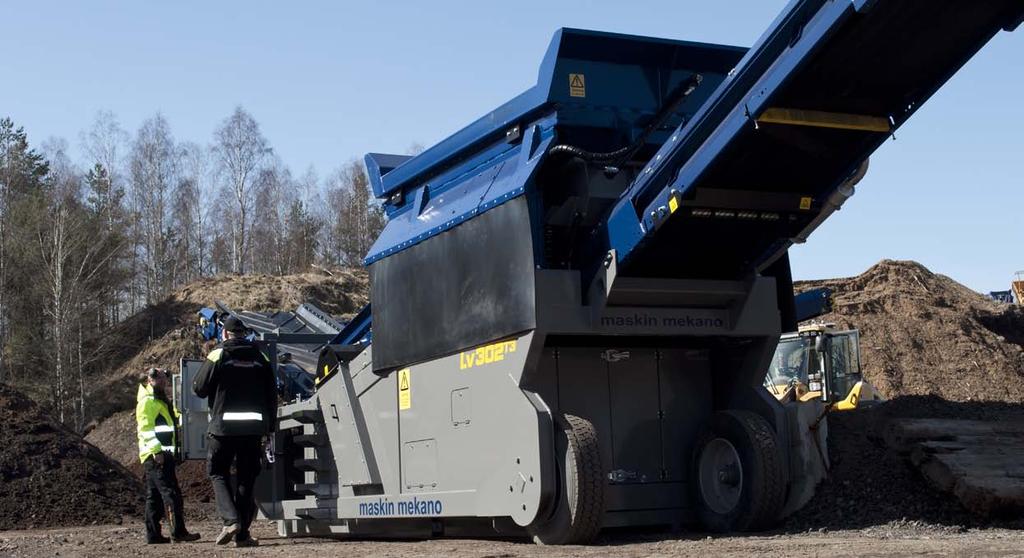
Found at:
[578, 510]
[738, 474]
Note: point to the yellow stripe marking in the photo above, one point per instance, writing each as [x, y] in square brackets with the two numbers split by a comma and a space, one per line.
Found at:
[821, 119]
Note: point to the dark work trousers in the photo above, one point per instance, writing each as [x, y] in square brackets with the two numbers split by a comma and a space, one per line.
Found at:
[162, 490]
[238, 505]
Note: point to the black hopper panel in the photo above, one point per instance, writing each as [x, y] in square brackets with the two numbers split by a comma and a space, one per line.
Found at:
[465, 287]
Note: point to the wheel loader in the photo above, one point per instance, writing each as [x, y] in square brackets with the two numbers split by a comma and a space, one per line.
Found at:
[821, 362]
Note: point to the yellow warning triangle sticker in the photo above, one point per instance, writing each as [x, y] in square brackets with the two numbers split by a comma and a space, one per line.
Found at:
[404, 390]
[576, 80]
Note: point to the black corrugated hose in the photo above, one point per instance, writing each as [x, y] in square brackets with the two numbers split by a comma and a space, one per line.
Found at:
[619, 156]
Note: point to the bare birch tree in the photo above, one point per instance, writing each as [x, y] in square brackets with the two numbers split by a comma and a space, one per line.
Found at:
[195, 209]
[154, 167]
[358, 219]
[241, 150]
[105, 144]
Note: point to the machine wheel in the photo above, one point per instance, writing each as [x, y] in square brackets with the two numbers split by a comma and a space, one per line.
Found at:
[579, 504]
[739, 480]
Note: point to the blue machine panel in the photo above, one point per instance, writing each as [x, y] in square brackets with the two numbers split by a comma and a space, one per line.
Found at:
[718, 182]
[878, 59]
[599, 89]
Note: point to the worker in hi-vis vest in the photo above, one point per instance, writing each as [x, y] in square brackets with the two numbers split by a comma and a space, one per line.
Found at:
[155, 419]
[241, 392]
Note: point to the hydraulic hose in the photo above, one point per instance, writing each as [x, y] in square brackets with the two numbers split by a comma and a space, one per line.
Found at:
[619, 156]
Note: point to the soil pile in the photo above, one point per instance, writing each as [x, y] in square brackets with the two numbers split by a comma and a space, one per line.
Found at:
[50, 476]
[925, 334]
[871, 486]
[163, 333]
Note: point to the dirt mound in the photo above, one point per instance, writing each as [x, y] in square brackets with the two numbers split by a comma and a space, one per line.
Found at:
[115, 436]
[50, 476]
[871, 486]
[925, 334]
[162, 333]
[118, 390]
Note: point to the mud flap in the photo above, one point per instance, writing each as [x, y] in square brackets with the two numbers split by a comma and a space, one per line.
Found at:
[808, 453]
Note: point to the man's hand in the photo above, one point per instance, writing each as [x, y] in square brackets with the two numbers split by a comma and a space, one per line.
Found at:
[159, 459]
[268, 451]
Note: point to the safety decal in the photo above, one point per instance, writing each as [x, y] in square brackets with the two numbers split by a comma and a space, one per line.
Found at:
[577, 85]
[404, 389]
[805, 203]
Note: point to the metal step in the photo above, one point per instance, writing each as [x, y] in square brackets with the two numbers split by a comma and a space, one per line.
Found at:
[310, 440]
[316, 465]
[317, 513]
[307, 416]
[308, 489]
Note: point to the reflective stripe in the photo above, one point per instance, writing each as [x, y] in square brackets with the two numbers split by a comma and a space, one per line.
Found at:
[147, 435]
[165, 450]
[242, 363]
[242, 416]
[154, 445]
[163, 428]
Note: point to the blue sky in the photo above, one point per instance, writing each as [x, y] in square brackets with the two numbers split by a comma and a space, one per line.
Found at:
[329, 81]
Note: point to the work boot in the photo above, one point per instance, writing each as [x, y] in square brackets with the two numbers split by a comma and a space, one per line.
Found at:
[250, 541]
[185, 537]
[159, 539]
[227, 533]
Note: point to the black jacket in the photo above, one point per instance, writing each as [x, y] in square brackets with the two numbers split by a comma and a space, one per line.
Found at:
[239, 385]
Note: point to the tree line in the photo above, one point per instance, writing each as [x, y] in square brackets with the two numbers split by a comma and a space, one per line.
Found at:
[85, 244]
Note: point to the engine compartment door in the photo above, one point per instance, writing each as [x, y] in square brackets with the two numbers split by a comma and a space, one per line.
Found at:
[195, 415]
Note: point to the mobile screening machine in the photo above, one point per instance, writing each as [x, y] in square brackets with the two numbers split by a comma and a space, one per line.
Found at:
[576, 297]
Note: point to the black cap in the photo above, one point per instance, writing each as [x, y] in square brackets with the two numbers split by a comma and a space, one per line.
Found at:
[234, 325]
[157, 372]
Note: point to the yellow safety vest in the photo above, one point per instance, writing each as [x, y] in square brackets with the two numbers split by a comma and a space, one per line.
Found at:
[155, 424]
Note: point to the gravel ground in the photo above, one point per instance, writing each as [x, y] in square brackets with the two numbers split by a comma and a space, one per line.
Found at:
[888, 540]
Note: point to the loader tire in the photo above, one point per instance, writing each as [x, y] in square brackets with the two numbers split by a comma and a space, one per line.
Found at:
[738, 474]
[578, 510]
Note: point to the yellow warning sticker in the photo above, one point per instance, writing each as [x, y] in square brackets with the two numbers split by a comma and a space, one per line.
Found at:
[404, 389]
[805, 203]
[577, 85]
[673, 204]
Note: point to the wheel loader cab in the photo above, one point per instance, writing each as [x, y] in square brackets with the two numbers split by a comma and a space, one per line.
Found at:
[792, 367]
[820, 362]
